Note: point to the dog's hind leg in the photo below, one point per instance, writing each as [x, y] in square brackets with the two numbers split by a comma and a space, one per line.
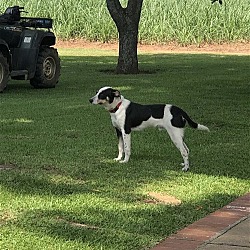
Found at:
[183, 164]
[176, 135]
[120, 145]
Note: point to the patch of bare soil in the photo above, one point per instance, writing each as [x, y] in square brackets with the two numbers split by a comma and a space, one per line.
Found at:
[225, 48]
[160, 198]
[76, 224]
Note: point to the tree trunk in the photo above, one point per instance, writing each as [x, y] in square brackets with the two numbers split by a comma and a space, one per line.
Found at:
[127, 60]
[127, 22]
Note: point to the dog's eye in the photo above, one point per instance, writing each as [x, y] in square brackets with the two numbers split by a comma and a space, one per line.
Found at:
[101, 96]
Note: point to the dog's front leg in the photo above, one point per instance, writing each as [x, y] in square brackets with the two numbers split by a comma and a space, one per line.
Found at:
[126, 146]
[120, 145]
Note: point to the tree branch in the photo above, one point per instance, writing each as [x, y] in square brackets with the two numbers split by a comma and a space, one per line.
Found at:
[116, 11]
[133, 10]
[134, 7]
[129, 16]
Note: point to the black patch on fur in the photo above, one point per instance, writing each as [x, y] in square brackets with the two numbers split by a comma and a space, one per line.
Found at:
[118, 133]
[180, 117]
[178, 120]
[137, 113]
[157, 110]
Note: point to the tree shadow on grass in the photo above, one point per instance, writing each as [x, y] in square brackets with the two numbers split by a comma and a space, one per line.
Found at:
[40, 183]
[132, 227]
[108, 180]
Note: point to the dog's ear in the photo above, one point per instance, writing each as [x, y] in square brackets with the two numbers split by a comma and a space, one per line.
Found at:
[116, 93]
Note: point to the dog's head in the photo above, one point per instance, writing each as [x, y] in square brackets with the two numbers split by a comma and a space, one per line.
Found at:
[106, 96]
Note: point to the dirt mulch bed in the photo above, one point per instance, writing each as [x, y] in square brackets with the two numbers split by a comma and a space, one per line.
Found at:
[225, 48]
[162, 198]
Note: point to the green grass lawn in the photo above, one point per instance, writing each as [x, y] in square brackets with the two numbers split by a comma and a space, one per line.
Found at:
[65, 192]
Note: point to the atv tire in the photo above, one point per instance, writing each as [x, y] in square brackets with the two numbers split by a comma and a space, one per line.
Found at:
[4, 72]
[47, 69]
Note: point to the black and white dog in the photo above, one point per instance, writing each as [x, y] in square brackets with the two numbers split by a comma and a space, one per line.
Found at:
[127, 116]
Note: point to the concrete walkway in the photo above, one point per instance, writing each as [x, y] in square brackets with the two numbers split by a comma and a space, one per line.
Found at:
[226, 229]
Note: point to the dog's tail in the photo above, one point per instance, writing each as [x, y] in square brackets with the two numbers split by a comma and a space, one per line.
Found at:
[193, 124]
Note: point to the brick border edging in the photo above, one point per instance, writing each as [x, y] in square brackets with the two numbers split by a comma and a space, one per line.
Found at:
[207, 228]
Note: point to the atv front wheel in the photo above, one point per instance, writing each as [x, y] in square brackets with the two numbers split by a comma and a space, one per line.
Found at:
[4, 72]
[47, 69]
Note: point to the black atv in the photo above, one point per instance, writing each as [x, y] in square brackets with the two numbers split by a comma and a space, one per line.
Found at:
[25, 50]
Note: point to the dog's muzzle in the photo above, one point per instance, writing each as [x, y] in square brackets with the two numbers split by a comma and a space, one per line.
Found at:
[91, 100]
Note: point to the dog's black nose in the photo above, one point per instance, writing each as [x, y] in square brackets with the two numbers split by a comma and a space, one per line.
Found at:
[90, 100]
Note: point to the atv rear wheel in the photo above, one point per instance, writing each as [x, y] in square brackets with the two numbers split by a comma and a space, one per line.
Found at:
[47, 69]
[4, 72]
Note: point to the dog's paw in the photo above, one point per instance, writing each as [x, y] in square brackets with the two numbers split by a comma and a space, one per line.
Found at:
[117, 159]
[123, 161]
[185, 169]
